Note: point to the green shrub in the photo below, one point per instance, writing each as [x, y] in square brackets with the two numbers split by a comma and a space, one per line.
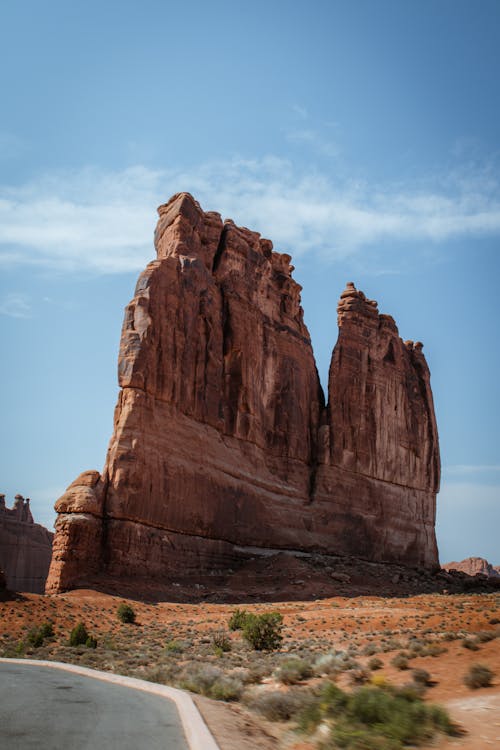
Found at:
[375, 718]
[79, 635]
[91, 642]
[126, 613]
[293, 670]
[47, 629]
[238, 619]
[478, 676]
[263, 632]
[37, 635]
[174, 647]
[221, 643]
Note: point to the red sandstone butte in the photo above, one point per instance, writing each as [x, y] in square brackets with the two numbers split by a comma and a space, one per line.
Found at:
[222, 441]
[25, 547]
[474, 566]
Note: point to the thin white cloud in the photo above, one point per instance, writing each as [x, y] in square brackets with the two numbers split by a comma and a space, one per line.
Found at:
[314, 139]
[15, 306]
[465, 469]
[103, 221]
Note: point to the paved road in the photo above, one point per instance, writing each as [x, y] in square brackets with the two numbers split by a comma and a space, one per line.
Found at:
[49, 709]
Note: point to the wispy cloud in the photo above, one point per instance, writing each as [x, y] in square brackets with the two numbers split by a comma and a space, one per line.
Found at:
[468, 469]
[103, 221]
[314, 139]
[15, 306]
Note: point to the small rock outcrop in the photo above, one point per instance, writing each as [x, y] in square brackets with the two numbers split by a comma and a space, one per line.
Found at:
[474, 566]
[25, 547]
[223, 446]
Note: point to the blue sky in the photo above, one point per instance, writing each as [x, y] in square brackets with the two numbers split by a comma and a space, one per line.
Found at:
[361, 136]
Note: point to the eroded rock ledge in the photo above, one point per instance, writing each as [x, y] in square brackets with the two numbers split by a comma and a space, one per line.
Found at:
[222, 439]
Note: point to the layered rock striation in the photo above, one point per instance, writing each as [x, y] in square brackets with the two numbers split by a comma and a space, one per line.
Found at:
[25, 547]
[222, 442]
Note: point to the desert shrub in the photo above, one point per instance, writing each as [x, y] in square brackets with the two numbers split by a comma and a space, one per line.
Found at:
[277, 705]
[47, 630]
[221, 643]
[421, 677]
[345, 735]
[471, 644]
[478, 676]
[212, 682]
[37, 635]
[293, 670]
[263, 632]
[484, 636]
[334, 662]
[79, 635]
[494, 621]
[238, 619]
[434, 649]
[400, 661]
[375, 664]
[359, 676]
[226, 688]
[174, 647]
[91, 642]
[375, 718]
[126, 613]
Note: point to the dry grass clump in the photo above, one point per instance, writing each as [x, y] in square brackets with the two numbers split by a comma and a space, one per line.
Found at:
[210, 681]
[294, 670]
[279, 705]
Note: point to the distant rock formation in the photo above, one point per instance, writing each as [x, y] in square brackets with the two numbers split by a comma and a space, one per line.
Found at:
[473, 566]
[25, 547]
[223, 446]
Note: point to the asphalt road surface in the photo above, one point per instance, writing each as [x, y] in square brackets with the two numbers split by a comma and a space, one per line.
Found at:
[50, 709]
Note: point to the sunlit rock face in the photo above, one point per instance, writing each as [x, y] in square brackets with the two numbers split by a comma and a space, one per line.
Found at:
[222, 439]
[473, 566]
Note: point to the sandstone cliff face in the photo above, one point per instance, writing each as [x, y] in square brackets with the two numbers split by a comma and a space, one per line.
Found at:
[25, 547]
[222, 440]
[473, 566]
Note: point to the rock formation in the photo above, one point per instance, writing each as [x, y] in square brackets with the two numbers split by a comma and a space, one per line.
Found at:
[222, 443]
[474, 566]
[25, 547]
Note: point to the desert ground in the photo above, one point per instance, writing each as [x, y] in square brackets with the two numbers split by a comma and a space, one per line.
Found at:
[350, 640]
